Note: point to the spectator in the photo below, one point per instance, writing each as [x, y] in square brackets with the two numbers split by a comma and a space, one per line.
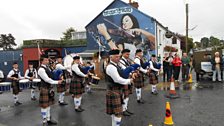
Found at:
[217, 66]
[185, 67]
[176, 64]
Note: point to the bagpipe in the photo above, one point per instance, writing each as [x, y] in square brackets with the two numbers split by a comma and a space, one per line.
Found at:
[125, 73]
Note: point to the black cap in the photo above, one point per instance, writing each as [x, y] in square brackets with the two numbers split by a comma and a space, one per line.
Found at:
[76, 57]
[138, 50]
[44, 56]
[114, 52]
[15, 63]
[30, 63]
[153, 55]
[125, 51]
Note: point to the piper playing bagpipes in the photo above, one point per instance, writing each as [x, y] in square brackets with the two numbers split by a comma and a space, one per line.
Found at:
[153, 74]
[61, 70]
[114, 91]
[139, 81]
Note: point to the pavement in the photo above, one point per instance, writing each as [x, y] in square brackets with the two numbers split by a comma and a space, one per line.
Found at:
[199, 105]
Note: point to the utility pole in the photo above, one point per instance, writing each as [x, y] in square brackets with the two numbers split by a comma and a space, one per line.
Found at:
[186, 39]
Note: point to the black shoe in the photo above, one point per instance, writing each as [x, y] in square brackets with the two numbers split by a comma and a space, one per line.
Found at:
[45, 124]
[18, 103]
[125, 113]
[140, 101]
[33, 99]
[129, 112]
[155, 93]
[79, 110]
[63, 103]
[52, 122]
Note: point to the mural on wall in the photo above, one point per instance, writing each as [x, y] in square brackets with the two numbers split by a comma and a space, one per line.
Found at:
[126, 26]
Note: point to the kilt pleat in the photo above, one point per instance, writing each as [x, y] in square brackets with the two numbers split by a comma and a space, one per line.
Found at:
[113, 103]
[153, 79]
[45, 100]
[139, 81]
[15, 87]
[77, 87]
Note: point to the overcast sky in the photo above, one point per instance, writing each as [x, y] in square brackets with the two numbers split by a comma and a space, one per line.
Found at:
[37, 19]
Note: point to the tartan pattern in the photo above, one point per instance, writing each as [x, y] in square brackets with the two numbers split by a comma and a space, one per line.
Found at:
[153, 79]
[139, 81]
[15, 87]
[61, 88]
[126, 90]
[45, 100]
[113, 102]
[77, 87]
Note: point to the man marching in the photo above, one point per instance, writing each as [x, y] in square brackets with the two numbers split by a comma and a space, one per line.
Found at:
[114, 91]
[139, 81]
[15, 76]
[77, 86]
[62, 87]
[31, 73]
[46, 90]
[153, 75]
[127, 89]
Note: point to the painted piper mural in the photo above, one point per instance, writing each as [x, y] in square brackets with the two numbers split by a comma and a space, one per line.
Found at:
[122, 26]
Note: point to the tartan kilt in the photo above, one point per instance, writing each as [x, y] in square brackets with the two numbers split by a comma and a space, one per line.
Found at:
[113, 103]
[126, 90]
[139, 81]
[153, 79]
[77, 87]
[61, 88]
[15, 87]
[45, 100]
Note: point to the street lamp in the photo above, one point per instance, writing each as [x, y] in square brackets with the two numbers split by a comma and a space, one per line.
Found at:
[186, 39]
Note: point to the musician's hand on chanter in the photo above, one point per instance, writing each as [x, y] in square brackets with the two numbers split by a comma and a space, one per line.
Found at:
[60, 81]
[31, 78]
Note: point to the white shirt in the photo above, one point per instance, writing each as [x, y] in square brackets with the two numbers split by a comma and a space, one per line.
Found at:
[27, 72]
[43, 75]
[75, 68]
[137, 61]
[61, 67]
[152, 67]
[111, 70]
[12, 72]
[1, 74]
[122, 63]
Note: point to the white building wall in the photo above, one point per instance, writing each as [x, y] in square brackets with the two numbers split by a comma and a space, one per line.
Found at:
[162, 41]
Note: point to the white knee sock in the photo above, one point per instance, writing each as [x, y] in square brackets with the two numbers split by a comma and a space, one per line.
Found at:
[138, 93]
[62, 96]
[117, 121]
[125, 105]
[44, 114]
[77, 102]
[153, 88]
[16, 99]
[112, 119]
[48, 114]
[80, 101]
[32, 93]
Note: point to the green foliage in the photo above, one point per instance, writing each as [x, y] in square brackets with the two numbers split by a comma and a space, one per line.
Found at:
[7, 41]
[67, 34]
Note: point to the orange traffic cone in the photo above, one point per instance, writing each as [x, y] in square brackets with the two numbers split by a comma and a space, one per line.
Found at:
[168, 118]
[172, 93]
[190, 79]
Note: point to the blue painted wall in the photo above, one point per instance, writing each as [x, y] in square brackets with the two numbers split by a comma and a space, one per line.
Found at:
[112, 17]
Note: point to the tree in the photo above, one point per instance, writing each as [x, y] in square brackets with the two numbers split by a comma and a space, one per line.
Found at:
[214, 41]
[205, 42]
[67, 35]
[7, 41]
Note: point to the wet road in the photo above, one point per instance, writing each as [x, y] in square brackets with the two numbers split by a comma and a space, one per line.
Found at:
[195, 107]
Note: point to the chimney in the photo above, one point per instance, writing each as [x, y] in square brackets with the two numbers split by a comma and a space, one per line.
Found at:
[134, 4]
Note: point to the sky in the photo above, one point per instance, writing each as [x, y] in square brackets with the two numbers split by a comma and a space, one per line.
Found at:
[47, 19]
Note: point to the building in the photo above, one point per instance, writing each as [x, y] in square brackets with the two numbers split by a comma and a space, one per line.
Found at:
[143, 32]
